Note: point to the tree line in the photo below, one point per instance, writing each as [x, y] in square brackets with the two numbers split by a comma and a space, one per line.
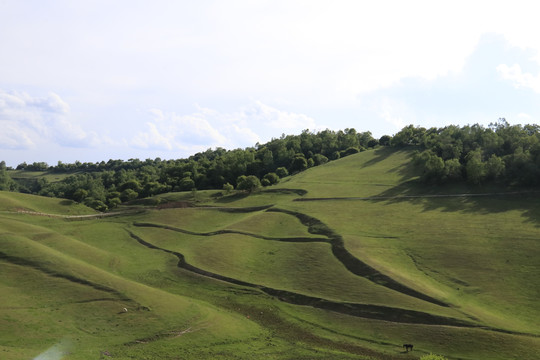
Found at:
[104, 185]
[500, 153]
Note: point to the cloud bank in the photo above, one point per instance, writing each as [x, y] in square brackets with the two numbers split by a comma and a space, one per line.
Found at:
[28, 121]
[209, 128]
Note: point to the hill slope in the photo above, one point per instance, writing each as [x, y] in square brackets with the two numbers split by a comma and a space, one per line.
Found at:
[360, 261]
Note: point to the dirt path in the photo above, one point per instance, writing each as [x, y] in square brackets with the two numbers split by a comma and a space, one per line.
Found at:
[360, 310]
[75, 217]
[424, 196]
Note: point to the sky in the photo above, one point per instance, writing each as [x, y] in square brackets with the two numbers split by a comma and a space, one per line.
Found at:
[93, 80]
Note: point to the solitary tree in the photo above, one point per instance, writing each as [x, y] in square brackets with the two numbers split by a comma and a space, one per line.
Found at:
[249, 183]
[272, 178]
[282, 172]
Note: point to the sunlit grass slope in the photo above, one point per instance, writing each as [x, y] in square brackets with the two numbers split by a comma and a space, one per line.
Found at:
[13, 202]
[476, 252]
[54, 293]
[306, 268]
[64, 282]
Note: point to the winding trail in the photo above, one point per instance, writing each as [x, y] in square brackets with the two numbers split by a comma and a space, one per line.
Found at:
[314, 226]
[221, 232]
[353, 264]
[317, 227]
[424, 196]
[77, 217]
[360, 310]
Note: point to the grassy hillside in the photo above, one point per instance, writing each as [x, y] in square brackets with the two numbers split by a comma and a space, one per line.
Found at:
[23, 203]
[360, 261]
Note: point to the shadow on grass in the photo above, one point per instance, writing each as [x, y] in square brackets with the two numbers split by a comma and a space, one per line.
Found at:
[368, 311]
[232, 197]
[385, 152]
[380, 154]
[466, 198]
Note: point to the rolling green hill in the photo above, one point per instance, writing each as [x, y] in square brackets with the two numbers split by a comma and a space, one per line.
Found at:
[350, 259]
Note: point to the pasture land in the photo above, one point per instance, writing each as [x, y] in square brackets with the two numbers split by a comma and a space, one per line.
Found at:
[348, 260]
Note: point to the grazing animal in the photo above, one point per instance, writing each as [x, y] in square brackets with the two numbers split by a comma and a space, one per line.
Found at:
[125, 309]
[408, 347]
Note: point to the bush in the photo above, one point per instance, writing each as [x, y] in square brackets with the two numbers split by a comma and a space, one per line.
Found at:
[271, 178]
[385, 140]
[228, 188]
[249, 183]
[372, 143]
[282, 172]
[114, 202]
[299, 163]
[319, 159]
[95, 204]
[128, 195]
[349, 151]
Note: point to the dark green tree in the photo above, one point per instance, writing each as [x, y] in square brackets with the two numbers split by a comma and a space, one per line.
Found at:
[385, 140]
[282, 172]
[475, 168]
[248, 183]
[6, 182]
[299, 163]
[272, 178]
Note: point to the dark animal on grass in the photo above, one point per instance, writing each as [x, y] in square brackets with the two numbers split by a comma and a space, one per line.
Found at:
[408, 347]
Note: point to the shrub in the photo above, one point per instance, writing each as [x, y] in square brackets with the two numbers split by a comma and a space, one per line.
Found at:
[95, 204]
[282, 172]
[319, 159]
[349, 151]
[228, 188]
[271, 178]
[385, 140]
[372, 143]
[249, 183]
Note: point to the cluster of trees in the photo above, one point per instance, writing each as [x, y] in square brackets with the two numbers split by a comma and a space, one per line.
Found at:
[501, 153]
[104, 185]
[6, 183]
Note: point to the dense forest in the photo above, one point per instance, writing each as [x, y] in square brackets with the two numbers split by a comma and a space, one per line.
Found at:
[501, 153]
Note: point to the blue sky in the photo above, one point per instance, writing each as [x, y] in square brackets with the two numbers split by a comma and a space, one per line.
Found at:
[98, 80]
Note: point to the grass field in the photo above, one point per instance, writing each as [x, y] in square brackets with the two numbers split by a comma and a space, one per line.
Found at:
[360, 261]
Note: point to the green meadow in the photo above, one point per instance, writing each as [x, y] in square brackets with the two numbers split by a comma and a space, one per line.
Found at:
[347, 260]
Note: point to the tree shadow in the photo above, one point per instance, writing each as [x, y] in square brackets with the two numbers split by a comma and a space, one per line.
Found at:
[466, 198]
[232, 198]
[386, 151]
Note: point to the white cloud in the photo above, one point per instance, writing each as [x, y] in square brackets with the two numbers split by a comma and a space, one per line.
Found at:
[524, 117]
[278, 119]
[13, 137]
[395, 120]
[518, 77]
[170, 131]
[392, 111]
[27, 121]
[209, 128]
[310, 51]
